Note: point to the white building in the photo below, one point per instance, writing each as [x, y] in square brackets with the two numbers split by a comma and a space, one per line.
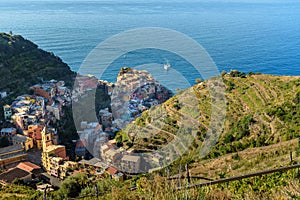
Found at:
[130, 163]
[7, 112]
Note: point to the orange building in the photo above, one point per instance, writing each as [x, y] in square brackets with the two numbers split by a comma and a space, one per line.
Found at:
[35, 132]
[44, 92]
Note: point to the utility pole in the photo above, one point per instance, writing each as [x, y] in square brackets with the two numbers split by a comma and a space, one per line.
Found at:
[45, 192]
[179, 176]
[187, 173]
[297, 171]
[189, 181]
[96, 191]
[168, 173]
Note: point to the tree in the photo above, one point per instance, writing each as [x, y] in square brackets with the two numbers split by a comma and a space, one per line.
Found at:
[223, 73]
[230, 86]
[297, 98]
[72, 186]
[251, 73]
[198, 80]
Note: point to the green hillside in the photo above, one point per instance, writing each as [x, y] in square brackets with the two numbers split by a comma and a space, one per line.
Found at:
[261, 123]
[261, 131]
[22, 63]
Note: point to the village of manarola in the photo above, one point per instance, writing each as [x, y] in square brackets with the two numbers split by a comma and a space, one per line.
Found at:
[149, 99]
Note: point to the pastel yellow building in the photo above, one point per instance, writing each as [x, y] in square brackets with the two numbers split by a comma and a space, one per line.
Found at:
[25, 141]
[65, 168]
[50, 154]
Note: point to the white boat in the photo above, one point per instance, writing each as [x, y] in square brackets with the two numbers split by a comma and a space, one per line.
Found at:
[167, 66]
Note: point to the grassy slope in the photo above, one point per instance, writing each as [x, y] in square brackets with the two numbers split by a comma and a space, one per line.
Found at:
[15, 191]
[261, 123]
[261, 129]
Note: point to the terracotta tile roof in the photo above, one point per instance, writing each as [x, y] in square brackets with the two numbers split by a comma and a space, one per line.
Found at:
[112, 170]
[28, 166]
[11, 175]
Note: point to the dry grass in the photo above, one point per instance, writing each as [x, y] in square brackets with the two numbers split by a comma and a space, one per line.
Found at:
[250, 160]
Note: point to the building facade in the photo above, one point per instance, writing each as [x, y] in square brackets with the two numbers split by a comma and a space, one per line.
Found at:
[130, 163]
[7, 112]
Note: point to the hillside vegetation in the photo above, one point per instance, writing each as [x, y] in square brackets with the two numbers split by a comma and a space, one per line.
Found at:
[260, 131]
[279, 185]
[23, 64]
[260, 127]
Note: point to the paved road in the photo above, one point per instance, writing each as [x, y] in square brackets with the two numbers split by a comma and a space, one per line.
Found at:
[34, 156]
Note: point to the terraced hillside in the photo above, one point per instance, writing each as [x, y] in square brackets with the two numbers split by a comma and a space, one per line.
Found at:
[262, 116]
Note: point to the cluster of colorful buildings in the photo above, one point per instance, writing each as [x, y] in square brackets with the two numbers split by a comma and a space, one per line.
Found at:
[84, 84]
[135, 91]
[97, 138]
[31, 117]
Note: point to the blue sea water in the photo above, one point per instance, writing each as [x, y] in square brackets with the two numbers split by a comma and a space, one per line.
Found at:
[247, 36]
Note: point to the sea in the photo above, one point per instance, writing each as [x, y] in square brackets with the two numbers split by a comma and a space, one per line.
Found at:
[257, 36]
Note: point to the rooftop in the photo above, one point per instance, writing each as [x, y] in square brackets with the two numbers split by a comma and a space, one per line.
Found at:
[131, 158]
[93, 161]
[101, 165]
[88, 131]
[112, 170]
[96, 162]
[28, 166]
[56, 159]
[17, 147]
[104, 147]
[14, 173]
[111, 152]
[7, 130]
[53, 147]
[19, 137]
